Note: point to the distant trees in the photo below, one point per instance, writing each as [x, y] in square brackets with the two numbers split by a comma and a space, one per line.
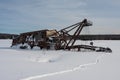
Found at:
[7, 36]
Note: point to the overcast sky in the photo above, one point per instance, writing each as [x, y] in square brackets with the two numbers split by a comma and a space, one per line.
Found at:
[17, 16]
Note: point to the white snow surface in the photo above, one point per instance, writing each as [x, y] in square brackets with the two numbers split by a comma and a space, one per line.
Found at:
[19, 64]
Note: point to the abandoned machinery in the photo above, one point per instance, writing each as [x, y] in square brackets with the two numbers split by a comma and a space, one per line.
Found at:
[57, 40]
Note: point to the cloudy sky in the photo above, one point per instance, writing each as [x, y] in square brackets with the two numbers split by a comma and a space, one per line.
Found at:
[18, 16]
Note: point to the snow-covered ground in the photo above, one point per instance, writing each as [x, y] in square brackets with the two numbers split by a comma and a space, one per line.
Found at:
[17, 64]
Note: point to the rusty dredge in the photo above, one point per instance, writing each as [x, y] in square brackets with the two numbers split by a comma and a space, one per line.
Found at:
[57, 40]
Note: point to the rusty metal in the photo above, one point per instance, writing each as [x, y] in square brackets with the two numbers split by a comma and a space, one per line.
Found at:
[52, 39]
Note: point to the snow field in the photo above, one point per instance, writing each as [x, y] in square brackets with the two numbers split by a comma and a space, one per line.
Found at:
[17, 64]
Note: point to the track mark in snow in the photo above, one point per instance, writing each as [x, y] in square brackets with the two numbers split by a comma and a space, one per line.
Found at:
[65, 71]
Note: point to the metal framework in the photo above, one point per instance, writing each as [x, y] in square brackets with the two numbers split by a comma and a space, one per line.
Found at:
[62, 39]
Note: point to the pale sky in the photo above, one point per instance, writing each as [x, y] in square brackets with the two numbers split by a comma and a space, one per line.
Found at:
[17, 16]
